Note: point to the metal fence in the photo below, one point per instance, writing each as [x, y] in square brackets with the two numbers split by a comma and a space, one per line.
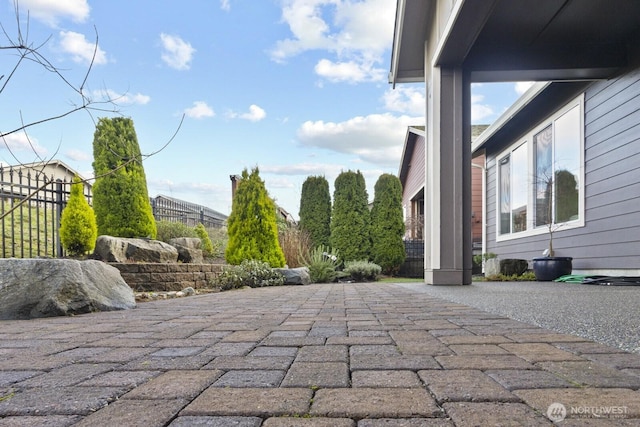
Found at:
[175, 210]
[31, 203]
[414, 248]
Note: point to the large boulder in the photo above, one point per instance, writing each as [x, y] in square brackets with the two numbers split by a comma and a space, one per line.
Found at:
[121, 249]
[295, 276]
[31, 288]
[492, 267]
[188, 249]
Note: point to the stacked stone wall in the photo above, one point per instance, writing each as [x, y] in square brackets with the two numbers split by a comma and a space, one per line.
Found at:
[160, 277]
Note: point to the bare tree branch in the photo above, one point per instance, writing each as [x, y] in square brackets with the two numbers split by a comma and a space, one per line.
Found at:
[27, 52]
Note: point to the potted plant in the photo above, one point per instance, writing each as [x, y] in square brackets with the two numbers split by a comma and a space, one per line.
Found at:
[550, 267]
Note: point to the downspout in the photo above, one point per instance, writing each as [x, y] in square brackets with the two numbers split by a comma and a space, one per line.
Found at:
[484, 207]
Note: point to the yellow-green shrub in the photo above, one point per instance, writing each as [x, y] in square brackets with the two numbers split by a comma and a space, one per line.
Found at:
[78, 229]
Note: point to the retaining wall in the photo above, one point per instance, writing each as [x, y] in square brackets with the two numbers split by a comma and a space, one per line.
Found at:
[158, 277]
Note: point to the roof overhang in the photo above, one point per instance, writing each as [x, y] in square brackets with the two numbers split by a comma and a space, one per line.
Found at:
[530, 109]
[511, 40]
[413, 132]
[407, 55]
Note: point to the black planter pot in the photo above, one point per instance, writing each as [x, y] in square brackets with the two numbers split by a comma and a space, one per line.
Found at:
[550, 268]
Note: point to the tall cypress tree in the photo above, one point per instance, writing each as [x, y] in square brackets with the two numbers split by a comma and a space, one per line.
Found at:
[252, 225]
[120, 196]
[315, 209]
[350, 217]
[387, 225]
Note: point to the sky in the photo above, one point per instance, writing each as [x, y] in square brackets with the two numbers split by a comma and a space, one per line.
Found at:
[297, 88]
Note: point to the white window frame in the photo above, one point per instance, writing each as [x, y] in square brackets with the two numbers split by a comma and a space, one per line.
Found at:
[528, 140]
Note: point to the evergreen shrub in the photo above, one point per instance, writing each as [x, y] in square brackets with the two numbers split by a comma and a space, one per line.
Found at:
[387, 225]
[350, 217]
[207, 246]
[362, 271]
[252, 273]
[252, 225]
[315, 209]
[78, 229]
[120, 196]
[168, 230]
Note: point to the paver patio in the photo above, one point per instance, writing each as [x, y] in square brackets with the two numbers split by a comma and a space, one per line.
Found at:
[361, 355]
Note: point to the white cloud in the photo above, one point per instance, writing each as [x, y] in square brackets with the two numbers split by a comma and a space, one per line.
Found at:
[122, 98]
[199, 110]
[81, 50]
[377, 138]
[225, 5]
[406, 100]
[78, 155]
[279, 183]
[304, 169]
[52, 11]
[255, 114]
[176, 52]
[358, 33]
[20, 141]
[350, 71]
[522, 87]
[479, 111]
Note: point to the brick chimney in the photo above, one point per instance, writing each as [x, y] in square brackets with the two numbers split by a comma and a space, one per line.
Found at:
[234, 184]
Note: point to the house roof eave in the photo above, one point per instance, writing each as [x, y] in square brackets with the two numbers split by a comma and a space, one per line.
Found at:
[407, 150]
[511, 112]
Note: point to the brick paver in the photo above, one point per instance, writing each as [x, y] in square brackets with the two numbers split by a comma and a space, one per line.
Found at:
[357, 355]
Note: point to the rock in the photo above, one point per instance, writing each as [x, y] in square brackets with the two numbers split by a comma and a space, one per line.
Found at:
[189, 255]
[513, 267]
[187, 242]
[31, 288]
[189, 249]
[295, 276]
[120, 249]
[492, 267]
[188, 291]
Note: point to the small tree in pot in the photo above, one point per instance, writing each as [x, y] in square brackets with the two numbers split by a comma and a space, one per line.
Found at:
[550, 267]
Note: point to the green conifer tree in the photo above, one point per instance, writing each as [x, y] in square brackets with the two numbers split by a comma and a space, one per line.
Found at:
[78, 229]
[120, 196]
[252, 225]
[315, 210]
[207, 245]
[350, 217]
[387, 224]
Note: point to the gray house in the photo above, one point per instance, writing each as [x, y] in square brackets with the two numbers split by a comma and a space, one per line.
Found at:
[587, 136]
[449, 44]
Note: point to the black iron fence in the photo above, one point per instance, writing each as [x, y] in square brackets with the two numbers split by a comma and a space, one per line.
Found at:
[175, 210]
[31, 203]
[414, 248]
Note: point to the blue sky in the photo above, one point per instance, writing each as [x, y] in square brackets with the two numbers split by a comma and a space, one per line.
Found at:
[294, 87]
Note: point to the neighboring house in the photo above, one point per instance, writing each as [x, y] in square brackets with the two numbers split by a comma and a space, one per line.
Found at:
[588, 134]
[22, 179]
[412, 177]
[450, 44]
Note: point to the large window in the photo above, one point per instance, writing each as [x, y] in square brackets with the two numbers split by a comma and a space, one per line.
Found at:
[540, 177]
[513, 191]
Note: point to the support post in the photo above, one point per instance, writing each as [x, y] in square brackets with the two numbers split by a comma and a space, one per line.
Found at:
[448, 251]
